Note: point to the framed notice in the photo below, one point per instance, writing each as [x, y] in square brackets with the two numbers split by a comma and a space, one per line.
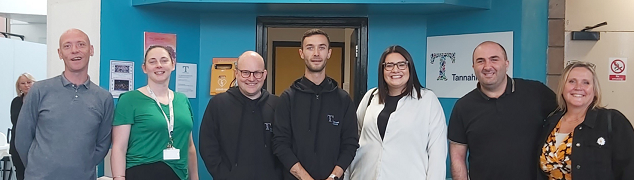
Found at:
[121, 77]
[186, 79]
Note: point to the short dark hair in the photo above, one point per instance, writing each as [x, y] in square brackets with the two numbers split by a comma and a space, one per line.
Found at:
[412, 82]
[166, 48]
[312, 32]
[488, 42]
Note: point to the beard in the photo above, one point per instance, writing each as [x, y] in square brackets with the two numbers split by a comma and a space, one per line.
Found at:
[312, 68]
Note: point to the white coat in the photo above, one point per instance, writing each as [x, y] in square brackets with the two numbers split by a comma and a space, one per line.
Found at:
[415, 142]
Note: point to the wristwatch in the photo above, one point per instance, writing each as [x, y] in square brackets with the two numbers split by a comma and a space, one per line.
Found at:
[334, 177]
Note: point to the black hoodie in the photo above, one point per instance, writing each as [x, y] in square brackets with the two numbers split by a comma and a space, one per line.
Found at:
[236, 135]
[316, 129]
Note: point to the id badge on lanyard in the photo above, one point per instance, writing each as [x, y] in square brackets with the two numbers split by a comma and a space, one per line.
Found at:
[169, 153]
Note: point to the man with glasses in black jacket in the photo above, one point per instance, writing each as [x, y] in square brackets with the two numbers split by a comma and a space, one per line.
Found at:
[236, 130]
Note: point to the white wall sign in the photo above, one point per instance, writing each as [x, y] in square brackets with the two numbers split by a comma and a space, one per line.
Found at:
[617, 70]
[186, 79]
[121, 77]
[449, 61]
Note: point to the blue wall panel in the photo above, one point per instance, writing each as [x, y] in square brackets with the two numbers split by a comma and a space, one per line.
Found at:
[467, 3]
[221, 35]
[408, 31]
[534, 40]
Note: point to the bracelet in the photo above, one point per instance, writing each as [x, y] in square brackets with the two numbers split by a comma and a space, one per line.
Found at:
[332, 176]
[117, 177]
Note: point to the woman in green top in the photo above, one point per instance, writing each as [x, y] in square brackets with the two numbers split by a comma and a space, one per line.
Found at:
[147, 141]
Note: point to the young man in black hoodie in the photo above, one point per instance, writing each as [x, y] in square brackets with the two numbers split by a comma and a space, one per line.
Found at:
[236, 131]
[315, 124]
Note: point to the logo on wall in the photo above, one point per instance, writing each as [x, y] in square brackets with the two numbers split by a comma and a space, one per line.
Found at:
[185, 68]
[449, 70]
[442, 59]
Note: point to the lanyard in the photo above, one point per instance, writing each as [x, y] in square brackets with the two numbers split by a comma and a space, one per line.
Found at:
[170, 121]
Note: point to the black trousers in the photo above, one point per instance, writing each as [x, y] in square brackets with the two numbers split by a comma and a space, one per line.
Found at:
[152, 171]
[19, 166]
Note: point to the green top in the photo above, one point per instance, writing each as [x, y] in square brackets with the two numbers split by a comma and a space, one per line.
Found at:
[148, 133]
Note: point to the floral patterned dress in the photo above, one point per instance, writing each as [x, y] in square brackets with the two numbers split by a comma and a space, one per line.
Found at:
[555, 160]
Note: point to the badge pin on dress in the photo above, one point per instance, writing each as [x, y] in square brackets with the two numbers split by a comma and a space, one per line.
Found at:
[601, 141]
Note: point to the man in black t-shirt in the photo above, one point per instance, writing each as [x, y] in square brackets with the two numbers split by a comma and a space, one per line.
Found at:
[498, 122]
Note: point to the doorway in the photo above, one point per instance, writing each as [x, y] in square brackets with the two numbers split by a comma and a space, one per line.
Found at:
[348, 62]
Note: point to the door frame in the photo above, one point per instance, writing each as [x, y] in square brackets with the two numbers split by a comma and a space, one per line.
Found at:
[359, 23]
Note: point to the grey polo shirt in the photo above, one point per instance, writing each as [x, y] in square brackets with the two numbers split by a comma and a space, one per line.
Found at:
[63, 129]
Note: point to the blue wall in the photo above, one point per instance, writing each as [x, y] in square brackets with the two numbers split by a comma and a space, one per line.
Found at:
[203, 36]
[409, 31]
[226, 35]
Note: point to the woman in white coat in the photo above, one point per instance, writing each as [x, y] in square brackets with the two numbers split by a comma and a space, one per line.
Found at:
[402, 128]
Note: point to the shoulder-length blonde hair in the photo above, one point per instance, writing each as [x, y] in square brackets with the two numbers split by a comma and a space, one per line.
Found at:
[596, 101]
[17, 83]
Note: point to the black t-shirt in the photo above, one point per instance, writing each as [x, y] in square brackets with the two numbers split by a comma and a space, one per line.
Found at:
[384, 115]
[501, 133]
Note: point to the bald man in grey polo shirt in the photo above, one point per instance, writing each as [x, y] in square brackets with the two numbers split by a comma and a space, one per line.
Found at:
[64, 126]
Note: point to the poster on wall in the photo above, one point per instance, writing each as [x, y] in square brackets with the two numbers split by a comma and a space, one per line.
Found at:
[618, 69]
[449, 61]
[121, 77]
[186, 79]
[162, 39]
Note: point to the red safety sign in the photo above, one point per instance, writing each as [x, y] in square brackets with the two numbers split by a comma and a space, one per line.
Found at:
[617, 69]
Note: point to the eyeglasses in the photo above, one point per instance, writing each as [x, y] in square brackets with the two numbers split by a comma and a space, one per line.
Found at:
[247, 73]
[581, 63]
[402, 65]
